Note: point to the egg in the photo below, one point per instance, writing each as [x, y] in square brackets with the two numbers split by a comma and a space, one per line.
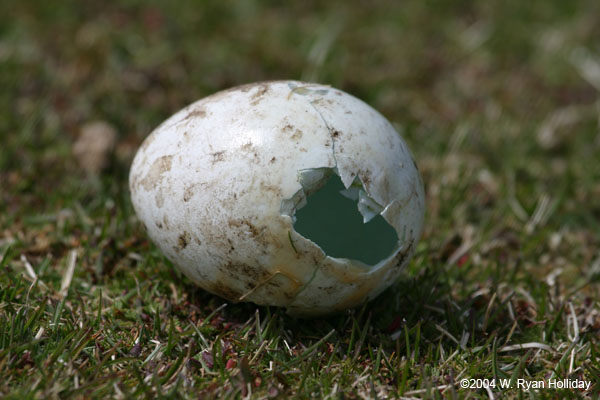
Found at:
[281, 193]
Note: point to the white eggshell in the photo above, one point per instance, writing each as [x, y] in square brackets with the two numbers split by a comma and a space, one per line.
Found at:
[210, 185]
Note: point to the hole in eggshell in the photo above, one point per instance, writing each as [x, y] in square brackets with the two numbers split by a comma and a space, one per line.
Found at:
[343, 222]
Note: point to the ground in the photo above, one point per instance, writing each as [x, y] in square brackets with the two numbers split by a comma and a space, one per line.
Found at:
[498, 101]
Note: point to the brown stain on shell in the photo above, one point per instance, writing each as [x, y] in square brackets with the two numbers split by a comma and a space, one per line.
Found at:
[218, 156]
[188, 193]
[196, 113]
[191, 190]
[366, 178]
[297, 135]
[246, 229]
[183, 240]
[258, 96]
[159, 167]
[251, 150]
[271, 188]
[293, 132]
[248, 147]
[241, 223]
[159, 198]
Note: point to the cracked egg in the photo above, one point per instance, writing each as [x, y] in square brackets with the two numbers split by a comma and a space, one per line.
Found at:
[281, 193]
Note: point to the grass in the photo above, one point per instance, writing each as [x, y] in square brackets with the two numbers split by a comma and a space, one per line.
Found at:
[499, 102]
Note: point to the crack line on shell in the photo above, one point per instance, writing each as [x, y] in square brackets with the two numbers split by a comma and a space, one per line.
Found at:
[329, 130]
[398, 250]
[305, 286]
[317, 267]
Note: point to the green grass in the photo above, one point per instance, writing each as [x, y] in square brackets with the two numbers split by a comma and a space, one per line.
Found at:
[499, 103]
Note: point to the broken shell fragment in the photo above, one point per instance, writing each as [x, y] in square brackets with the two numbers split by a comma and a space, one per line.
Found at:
[281, 193]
